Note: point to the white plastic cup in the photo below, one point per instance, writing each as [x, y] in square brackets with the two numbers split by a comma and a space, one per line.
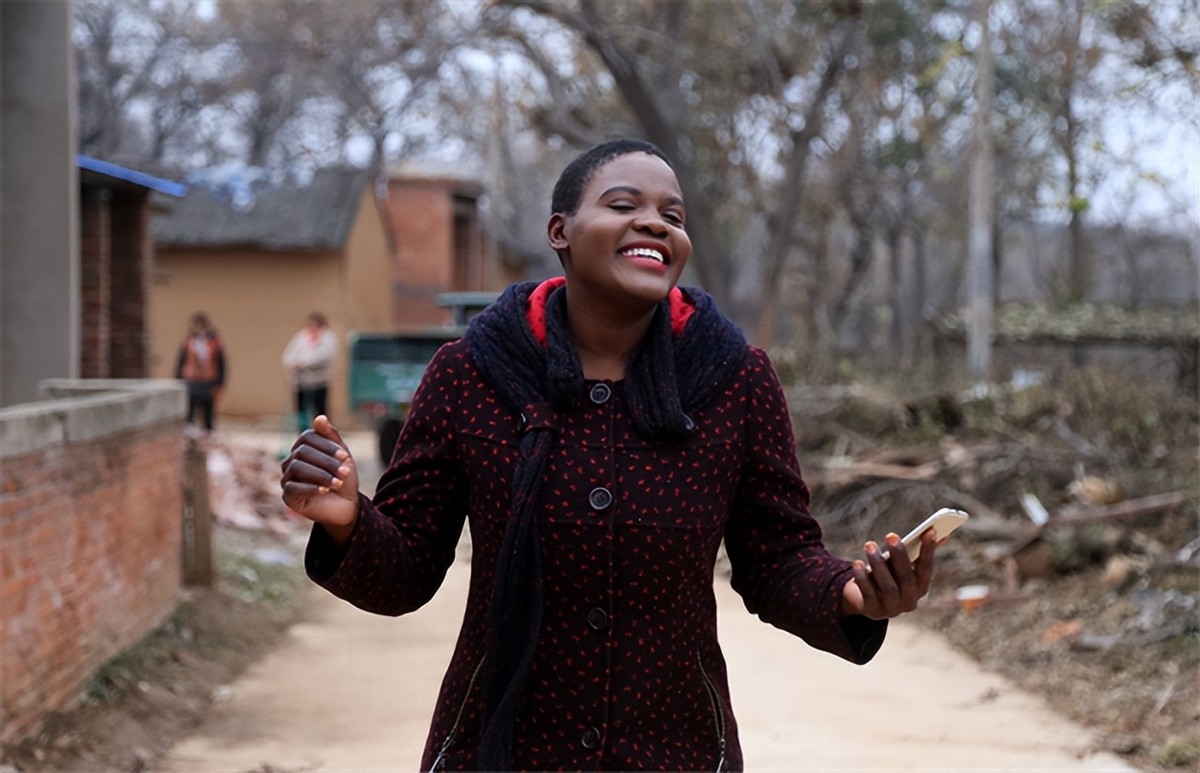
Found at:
[972, 597]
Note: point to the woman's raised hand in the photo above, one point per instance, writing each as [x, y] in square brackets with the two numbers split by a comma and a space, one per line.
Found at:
[884, 587]
[320, 480]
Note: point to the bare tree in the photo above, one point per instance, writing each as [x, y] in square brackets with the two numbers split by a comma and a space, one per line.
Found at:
[382, 65]
[738, 99]
[278, 48]
[130, 55]
[902, 110]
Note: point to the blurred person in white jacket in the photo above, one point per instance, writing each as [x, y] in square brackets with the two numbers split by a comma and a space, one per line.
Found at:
[309, 360]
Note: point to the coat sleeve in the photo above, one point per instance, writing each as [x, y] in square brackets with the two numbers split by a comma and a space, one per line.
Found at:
[404, 540]
[326, 349]
[780, 565]
[291, 352]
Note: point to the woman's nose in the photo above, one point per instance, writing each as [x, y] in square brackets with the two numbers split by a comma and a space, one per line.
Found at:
[651, 223]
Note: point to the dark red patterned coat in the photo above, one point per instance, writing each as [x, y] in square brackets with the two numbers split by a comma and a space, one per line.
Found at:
[628, 672]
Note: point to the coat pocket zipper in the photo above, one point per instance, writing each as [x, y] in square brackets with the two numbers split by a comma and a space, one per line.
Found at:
[714, 697]
[439, 761]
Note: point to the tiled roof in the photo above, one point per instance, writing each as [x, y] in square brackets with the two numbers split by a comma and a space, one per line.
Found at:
[309, 218]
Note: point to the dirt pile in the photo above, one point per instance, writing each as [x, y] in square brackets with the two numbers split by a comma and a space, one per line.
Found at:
[1083, 532]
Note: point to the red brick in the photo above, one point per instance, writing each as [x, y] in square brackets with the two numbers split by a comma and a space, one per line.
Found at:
[89, 559]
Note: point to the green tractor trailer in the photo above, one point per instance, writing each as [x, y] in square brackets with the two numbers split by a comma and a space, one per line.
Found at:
[385, 368]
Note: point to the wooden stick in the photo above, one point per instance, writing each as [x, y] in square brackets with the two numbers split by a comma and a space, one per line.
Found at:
[1127, 509]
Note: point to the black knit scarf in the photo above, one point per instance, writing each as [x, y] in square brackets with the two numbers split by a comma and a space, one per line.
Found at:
[667, 377]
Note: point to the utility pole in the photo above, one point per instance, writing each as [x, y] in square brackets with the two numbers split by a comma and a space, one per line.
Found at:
[980, 213]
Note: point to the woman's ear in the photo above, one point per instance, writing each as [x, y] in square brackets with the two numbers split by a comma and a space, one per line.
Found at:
[556, 232]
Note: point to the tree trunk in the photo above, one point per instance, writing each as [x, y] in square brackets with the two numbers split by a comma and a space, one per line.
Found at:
[979, 273]
[897, 330]
[1078, 279]
[920, 295]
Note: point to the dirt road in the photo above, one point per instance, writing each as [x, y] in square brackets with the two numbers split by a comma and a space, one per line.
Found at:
[349, 691]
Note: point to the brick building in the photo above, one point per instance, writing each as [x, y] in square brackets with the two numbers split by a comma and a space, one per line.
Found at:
[437, 246]
[116, 257]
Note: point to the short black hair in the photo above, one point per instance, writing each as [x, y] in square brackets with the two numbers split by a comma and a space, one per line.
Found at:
[577, 174]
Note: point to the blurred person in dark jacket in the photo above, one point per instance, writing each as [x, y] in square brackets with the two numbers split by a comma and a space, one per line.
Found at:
[201, 363]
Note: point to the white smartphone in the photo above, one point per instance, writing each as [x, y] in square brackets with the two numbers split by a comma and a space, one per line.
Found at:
[942, 522]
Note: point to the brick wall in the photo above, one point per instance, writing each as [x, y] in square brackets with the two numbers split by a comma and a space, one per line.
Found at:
[95, 283]
[90, 503]
[115, 255]
[133, 248]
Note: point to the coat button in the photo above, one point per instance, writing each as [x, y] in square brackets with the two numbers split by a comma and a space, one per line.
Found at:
[600, 498]
[600, 394]
[591, 738]
[597, 618]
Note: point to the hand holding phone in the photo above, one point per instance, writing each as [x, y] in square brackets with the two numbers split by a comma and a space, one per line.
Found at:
[942, 522]
[888, 596]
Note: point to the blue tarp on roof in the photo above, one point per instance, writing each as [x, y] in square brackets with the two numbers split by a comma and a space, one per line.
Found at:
[128, 175]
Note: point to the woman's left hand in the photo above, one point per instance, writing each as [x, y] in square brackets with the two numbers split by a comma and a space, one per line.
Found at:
[894, 584]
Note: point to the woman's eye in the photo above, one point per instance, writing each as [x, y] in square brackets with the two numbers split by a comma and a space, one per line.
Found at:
[673, 217]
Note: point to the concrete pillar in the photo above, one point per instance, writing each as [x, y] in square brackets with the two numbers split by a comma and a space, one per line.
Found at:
[39, 193]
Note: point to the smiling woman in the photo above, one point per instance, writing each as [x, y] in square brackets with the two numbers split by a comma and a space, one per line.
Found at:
[602, 433]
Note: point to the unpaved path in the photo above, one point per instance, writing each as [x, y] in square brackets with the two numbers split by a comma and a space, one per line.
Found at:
[350, 691]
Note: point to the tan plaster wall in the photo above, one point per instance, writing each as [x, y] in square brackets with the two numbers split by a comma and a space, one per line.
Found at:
[256, 301]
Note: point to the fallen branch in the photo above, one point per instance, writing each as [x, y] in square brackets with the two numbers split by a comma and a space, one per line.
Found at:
[840, 472]
[1099, 642]
[1129, 508]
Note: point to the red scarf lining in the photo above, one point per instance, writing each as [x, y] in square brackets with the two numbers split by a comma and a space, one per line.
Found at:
[681, 308]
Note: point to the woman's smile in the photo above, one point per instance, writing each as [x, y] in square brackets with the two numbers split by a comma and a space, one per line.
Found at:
[656, 255]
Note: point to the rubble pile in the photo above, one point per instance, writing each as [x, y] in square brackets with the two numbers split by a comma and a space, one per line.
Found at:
[244, 488]
[1081, 561]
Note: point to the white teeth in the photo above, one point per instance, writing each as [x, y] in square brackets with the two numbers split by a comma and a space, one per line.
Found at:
[644, 252]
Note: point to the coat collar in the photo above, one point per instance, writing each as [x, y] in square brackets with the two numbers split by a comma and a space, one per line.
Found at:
[681, 308]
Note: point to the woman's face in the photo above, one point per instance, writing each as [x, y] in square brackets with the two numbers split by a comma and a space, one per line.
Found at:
[626, 240]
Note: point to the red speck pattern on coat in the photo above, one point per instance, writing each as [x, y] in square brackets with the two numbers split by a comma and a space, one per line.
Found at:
[628, 672]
